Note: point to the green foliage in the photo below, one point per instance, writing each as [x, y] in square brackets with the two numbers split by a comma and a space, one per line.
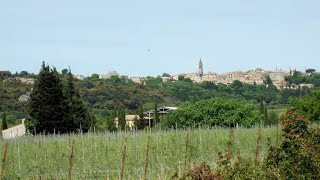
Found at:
[4, 121]
[261, 107]
[180, 78]
[311, 77]
[47, 102]
[298, 156]
[310, 71]
[267, 80]
[77, 112]
[5, 74]
[215, 111]
[156, 114]
[110, 125]
[121, 119]
[309, 106]
[166, 75]
[273, 118]
[99, 155]
[65, 72]
[55, 107]
[265, 114]
[139, 122]
[151, 81]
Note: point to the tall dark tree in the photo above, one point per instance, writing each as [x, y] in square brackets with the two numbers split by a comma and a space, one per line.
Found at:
[47, 103]
[55, 106]
[110, 125]
[77, 111]
[261, 108]
[267, 80]
[121, 119]
[156, 114]
[139, 122]
[265, 116]
[4, 121]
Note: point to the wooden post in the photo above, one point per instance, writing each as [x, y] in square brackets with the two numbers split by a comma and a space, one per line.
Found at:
[186, 155]
[70, 161]
[147, 159]
[123, 158]
[4, 159]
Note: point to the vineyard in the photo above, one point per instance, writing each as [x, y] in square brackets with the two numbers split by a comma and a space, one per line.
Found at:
[152, 154]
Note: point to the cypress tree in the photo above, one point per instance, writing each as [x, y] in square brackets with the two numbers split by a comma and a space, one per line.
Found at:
[261, 106]
[78, 113]
[265, 115]
[110, 126]
[57, 107]
[156, 115]
[121, 119]
[139, 123]
[47, 102]
[4, 121]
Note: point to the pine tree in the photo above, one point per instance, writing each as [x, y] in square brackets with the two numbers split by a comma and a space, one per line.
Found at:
[4, 121]
[156, 115]
[47, 102]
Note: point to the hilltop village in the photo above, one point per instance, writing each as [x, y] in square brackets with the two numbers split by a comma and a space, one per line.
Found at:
[256, 76]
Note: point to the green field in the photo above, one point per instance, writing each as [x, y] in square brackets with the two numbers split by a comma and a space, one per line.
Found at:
[99, 156]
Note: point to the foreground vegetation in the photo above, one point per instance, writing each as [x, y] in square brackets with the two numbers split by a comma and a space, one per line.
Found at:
[100, 155]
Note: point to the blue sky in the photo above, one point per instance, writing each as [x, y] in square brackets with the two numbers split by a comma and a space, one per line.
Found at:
[149, 37]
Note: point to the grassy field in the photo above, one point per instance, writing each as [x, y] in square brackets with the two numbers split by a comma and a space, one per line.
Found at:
[100, 155]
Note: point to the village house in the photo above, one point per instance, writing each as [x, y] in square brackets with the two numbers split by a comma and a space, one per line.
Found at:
[130, 119]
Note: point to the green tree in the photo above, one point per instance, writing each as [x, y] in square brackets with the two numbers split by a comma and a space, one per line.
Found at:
[47, 102]
[261, 107]
[309, 106]
[267, 80]
[4, 121]
[226, 112]
[265, 115]
[166, 75]
[77, 111]
[121, 119]
[65, 72]
[110, 125]
[156, 114]
[139, 122]
[180, 78]
[273, 118]
[310, 71]
[55, 106]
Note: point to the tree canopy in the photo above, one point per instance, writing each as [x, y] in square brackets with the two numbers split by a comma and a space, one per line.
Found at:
[215, 111]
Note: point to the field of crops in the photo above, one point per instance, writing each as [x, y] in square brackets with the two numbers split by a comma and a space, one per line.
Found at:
[101, 155]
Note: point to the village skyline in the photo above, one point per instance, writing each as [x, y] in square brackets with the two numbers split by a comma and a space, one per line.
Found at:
[192, 69]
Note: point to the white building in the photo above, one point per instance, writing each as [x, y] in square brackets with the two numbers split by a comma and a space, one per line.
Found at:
[107, 76]
[79, 77]
[16, 131]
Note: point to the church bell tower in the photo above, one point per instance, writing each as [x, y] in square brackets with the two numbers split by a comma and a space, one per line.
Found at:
[200, 72]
